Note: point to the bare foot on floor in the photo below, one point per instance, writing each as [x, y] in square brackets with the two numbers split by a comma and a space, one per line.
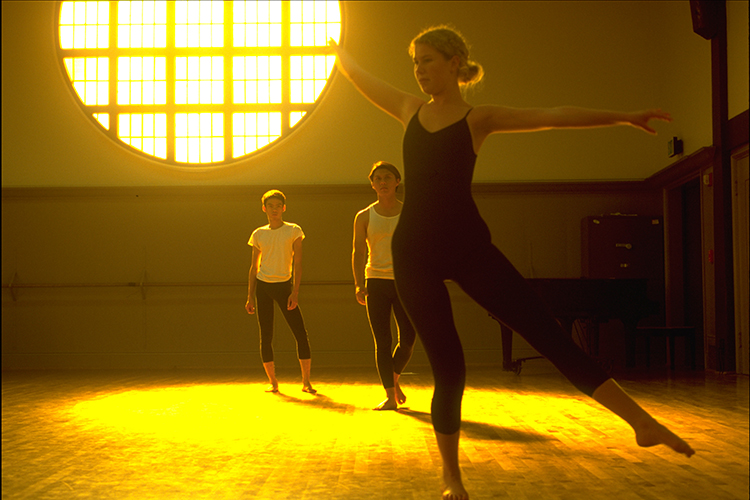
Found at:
[309, 389]
[272, 388]
[400, 396]
[652, 433]
[387, 404]
[454, 489]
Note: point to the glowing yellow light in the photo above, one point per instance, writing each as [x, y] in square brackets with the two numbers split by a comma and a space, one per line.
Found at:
[231, 415]
[89, 76]
[84, 25]
[103, 118]
[152, 81]
[295, 116]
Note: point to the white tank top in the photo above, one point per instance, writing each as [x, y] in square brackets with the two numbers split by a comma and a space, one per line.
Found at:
[379, 232]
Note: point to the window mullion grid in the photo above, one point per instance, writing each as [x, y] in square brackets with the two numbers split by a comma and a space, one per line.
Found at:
[229, 52]
[285, 71]
[112, 52]
[171, 79]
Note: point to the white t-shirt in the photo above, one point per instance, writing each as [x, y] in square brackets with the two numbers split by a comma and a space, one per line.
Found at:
[276, 251]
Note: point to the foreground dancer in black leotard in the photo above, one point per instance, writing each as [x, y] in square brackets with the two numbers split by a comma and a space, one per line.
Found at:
[440, 144]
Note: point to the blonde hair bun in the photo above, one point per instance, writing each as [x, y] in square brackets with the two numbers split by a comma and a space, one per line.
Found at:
[449, 42]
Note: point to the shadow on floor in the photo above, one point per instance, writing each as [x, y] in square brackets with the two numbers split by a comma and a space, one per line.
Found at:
[483, 430]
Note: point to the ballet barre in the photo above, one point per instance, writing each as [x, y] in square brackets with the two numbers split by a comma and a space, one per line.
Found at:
[13, 285]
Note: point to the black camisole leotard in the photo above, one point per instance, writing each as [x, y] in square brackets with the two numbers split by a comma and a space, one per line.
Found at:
[441, 236]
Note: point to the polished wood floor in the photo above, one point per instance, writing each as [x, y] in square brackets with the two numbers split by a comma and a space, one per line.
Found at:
[218, 435]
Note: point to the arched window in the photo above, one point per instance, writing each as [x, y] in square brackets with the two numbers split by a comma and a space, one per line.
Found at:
[198, 83]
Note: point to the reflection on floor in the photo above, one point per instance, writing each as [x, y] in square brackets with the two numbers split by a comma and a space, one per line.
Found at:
[218, 435]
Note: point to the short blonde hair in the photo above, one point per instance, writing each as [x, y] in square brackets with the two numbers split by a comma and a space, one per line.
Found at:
[450, 42]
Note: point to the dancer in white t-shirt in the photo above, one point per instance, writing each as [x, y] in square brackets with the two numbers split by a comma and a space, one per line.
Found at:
[275, 276]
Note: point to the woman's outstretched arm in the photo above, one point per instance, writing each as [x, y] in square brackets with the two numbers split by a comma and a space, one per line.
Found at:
[397, 103]
[497, 119]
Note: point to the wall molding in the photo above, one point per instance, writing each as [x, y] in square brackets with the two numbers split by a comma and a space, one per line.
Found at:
[683, 170]
[480, 188]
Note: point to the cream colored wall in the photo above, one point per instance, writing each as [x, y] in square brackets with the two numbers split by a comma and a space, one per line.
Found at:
[79, 209]
[179, 235]
[625, 55]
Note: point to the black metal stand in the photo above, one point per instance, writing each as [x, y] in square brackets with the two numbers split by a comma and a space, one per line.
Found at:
[509, 364]
[514, 365]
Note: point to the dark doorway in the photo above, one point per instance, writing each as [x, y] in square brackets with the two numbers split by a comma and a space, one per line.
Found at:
[692, 266]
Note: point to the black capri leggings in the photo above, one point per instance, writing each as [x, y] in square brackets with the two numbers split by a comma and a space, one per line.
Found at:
[487, 276]
[265, 295]
[381, 300]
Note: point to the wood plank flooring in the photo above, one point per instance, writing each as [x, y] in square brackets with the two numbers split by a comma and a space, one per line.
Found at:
[218, 435]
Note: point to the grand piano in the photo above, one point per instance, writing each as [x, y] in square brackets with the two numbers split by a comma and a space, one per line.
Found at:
[592, 301]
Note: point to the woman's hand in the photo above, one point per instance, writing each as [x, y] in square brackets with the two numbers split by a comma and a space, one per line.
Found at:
[333, 48]
[640, 119]
[250, 305]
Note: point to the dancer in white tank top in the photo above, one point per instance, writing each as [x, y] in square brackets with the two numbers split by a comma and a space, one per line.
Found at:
[372, 266]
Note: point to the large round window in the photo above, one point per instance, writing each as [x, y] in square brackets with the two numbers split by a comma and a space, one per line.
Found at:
[198, 83]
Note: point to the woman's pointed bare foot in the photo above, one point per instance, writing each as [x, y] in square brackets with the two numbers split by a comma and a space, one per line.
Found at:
[454, 488]
[400, 396]
[272, 388]
[308, 388]
[651, 433]
[387, 404]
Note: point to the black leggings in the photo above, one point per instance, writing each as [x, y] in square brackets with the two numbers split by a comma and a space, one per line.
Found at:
[487, 276]
[381, 300]
[265, 295]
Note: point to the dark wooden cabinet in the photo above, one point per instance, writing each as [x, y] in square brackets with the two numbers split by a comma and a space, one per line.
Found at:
[622, 246]
[626, 247]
